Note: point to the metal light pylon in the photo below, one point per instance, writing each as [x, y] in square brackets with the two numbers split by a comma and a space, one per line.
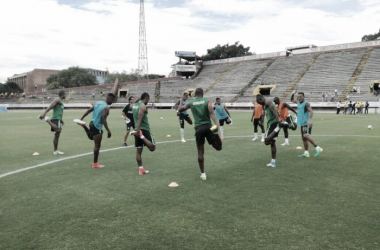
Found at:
[143, 53]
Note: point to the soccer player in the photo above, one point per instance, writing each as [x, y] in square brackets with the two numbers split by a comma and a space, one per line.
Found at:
[366, 107]
[142, 133]
[128, 116]
[257, 119]
[286, 119]
[202, 111]
[182, 116]
[222, 115]
[101, 111]
[56, 121]
[273, 126]
[304, 119]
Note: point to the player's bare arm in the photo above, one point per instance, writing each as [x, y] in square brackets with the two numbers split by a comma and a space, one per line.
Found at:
[51, 106]
[308, 107]
[292, 97]
[273, 109]
[181, 107]
[285, 105]
[176, 105]
[253, 114]
[212, 114]
[225, 108]
[87, 112]
[105, 114]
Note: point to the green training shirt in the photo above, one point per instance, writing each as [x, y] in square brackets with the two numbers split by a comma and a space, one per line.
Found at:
[269, 115]
[199, 108]
[58, 110]
[144, 123]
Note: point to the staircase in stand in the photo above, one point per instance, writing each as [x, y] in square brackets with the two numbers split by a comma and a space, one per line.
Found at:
[356, 74]
[221, 78]
[299, 77]
[241, 92]
[157, 92]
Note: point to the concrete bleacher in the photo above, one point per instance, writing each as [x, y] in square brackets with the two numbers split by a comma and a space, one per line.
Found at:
[171, 90]
[329, 71]
[281, 73]
[371, 71]
[137, 89]
[236, 79]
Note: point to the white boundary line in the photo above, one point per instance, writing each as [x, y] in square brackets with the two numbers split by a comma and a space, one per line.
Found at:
[164, 142]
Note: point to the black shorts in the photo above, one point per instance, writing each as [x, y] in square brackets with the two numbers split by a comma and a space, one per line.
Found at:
[139, 143]
[305, 130]
[130, 125]
[182, 118]
[227, 120]
[270, 129]
[202, 132]
[93, 130]
[256, 122]
[56, 122]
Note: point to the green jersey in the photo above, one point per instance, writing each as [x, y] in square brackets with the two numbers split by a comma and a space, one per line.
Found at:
[144, 123]
[199, 108]
[269, 115]
[58, 110]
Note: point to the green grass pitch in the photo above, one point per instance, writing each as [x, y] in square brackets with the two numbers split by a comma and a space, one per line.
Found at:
[329, 202]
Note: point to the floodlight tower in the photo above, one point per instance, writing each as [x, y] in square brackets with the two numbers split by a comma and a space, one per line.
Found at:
[143, 53]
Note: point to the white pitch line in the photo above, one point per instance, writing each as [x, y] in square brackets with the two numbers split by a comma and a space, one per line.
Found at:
[164, 142]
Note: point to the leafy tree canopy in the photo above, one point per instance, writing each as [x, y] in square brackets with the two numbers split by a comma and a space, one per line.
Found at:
[227, 51]
[71, 77]
[371, 37]
[10, 87]
[124, 76]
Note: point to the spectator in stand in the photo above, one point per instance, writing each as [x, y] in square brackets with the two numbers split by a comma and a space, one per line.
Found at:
[366, 107]
[323, 96]
[350, 107]
[358, 90]
[332, 97]
[12, 95]
[371, 88]
[338, 108]
[93, 94]
[336, 92]
[354, 89]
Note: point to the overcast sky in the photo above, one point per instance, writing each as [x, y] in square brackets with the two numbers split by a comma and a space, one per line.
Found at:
[104, 34]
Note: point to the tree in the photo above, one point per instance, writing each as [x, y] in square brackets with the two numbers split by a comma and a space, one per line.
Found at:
[371, 37]
[227, 51]
[71, 77]
[10, 87]
[128, 77]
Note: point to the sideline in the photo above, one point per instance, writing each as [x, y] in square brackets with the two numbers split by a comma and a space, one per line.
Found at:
[163, 142]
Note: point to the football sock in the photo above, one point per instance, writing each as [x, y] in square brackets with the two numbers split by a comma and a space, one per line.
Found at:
[317, 147]
[262, 135]
[273, 160]
[182, 133]
[306, 152]
[141, 167]
[277, 129]
[221, 131]
[286, 140]
[203, 174]
[255, 134]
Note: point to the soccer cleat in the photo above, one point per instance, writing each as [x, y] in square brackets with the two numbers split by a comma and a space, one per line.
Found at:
[58, 153]
[254, 139]
[183, 140]
[262, 139]
[214, 128]
[143, 171]
[319, 151]
[204, 177]
[125, 144]
[97, 165]
[304, 155]
[271, 164]
[79, 122]
[285, 144]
